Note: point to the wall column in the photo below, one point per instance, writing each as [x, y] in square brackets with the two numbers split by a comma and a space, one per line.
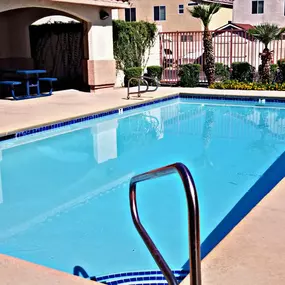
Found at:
[101, 64]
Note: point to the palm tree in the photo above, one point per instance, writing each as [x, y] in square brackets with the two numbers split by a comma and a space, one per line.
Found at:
[266, 33]
[205, 14]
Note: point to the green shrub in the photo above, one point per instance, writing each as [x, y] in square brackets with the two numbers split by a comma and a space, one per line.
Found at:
[281, 65]
[236, 85]
[273, 71]
[132, 41]
[242, 71]
[222, 71]
[280, 61]
[189, 75]
[154, 71]
[273, 68]
[132, 72]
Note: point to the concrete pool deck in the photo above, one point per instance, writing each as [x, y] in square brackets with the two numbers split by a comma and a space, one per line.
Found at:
[16, 116]
[16, 271]
[250, 254]
[253, 252]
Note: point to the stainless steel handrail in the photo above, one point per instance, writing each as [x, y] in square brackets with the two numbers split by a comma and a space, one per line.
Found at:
[193, 221]
[139, 79]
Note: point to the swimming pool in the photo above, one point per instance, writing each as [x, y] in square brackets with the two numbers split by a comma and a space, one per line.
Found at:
[64, 195]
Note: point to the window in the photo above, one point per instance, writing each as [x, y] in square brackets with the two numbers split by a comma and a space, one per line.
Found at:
[258, 7]
[130, 15]
[168, 51]
[159, 13]
[186, 38]
[181, 9]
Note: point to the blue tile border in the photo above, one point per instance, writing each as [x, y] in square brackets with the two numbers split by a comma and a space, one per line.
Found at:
[65, 123]
[151, 102]
[231, 98]
[8, 137]
[139, 276]
[219, 98]
[128, 108]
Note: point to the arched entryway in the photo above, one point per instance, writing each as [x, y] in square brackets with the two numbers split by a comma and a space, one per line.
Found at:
[59, 48]
[98, 62]
[59, 45]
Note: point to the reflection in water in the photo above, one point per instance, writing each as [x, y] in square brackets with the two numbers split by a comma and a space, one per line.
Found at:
[270, 121]
[137, 131]
[203, 160]
[262, 144]
[105, 140]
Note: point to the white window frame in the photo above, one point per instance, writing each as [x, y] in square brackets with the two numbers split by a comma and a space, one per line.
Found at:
[181, 9]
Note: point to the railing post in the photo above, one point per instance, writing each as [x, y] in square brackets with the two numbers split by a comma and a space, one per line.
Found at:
[231, 50]
[139, 79]
[177, 56]
[193, 221]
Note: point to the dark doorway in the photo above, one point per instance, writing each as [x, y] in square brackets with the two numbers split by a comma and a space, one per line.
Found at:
[58, 48]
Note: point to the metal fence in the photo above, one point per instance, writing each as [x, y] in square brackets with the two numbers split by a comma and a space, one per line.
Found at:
[177, 48]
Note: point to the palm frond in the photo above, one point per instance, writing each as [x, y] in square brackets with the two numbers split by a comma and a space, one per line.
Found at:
[267, 33]
[205, 12]
[214, 8]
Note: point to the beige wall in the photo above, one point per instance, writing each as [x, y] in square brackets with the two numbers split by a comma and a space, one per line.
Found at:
[174, 20]
[221, 18]
[273, 12]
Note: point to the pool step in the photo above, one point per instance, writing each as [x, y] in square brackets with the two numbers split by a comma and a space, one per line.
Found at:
[140, 278]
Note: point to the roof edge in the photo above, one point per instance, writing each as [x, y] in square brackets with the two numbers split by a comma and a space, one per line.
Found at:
[223, 3]
[103, 3]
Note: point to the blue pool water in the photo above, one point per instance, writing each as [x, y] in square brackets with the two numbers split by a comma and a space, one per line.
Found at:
[64, 194]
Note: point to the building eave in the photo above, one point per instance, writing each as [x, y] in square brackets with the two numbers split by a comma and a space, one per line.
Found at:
[116, 4]
[223, 3]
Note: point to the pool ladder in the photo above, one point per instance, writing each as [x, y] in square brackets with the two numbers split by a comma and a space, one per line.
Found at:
[139, 80]
[193, 221]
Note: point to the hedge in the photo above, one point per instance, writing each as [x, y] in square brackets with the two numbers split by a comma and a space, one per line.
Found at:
[132, 72]
[222, 71]
[154, 71]
[236, 85]
[189, 75]
[132, 41]
[242, 71]
[281, 65]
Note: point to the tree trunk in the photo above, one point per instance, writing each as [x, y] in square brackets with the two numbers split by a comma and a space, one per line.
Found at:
[209, 57]
[264, 73]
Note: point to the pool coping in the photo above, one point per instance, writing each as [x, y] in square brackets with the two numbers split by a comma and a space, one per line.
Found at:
[18, 271]
[190, 93]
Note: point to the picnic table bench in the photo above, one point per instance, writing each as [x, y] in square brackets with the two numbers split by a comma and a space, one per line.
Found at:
[29, 76]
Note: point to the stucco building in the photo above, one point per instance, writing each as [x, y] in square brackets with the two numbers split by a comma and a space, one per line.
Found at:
[259, 11]
[173, 15]
[17, 16]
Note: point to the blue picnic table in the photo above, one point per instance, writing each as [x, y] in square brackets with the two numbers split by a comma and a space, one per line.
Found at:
[29, 76]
